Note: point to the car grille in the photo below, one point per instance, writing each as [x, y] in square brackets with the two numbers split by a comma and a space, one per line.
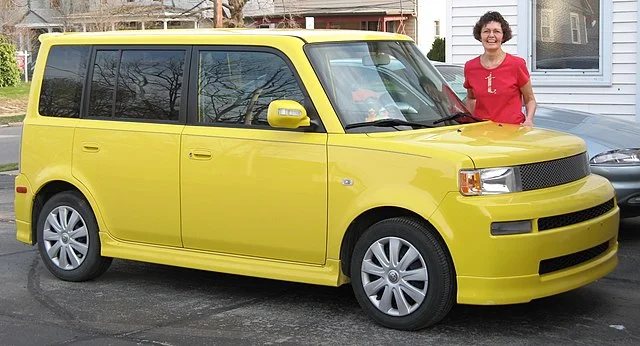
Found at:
[540, 175]
[562, 262]
[556, 221]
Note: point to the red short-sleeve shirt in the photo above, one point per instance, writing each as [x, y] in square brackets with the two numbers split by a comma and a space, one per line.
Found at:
[497, 90]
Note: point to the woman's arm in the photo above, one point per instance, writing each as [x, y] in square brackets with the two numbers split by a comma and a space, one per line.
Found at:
[470, 101]
[529, 103]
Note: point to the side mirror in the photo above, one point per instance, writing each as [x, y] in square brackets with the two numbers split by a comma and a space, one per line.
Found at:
[287, 114]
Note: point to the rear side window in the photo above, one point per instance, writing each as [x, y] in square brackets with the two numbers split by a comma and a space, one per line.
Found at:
[137, 84]
[63, 81]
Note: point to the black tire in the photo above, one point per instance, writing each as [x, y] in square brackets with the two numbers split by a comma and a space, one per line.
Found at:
[437, 290]
[70, 252]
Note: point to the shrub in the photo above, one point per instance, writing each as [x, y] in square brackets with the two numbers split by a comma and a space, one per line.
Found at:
[437, 50]
[9, 71]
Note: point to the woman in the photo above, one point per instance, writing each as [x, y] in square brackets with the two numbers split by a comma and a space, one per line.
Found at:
[498, 82]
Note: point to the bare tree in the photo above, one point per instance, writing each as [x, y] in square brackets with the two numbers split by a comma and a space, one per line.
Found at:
[234, 7]
[236, 14]
[10, 12]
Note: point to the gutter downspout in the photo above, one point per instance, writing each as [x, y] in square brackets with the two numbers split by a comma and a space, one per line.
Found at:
[638, 65]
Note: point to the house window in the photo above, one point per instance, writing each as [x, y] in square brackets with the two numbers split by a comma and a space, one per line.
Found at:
[369, 25]
[546, 30]
[560, 50]
[436, 27]
[575, 28]
[392, 26]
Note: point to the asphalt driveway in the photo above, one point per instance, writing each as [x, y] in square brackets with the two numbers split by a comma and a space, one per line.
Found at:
[136, 303]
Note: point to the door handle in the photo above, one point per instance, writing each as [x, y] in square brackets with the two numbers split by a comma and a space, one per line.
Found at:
[198, 154]
[90, 147]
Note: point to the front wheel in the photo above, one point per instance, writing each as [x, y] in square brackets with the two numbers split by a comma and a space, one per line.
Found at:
[402, 275]
[68, 238]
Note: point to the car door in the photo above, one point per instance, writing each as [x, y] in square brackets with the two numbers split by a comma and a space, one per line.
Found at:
[126, 149]
[249, 189]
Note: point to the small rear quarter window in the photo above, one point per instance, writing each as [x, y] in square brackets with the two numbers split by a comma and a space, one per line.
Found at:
[63, 81]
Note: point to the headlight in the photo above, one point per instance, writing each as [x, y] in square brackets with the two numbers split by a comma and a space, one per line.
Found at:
[489, 181]
[629, 156]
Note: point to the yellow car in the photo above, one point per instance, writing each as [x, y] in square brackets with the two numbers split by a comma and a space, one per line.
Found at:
[323, 157]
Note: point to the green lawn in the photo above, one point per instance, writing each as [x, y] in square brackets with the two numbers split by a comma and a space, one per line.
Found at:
[8, 167]
[11, 119]
[20, 90]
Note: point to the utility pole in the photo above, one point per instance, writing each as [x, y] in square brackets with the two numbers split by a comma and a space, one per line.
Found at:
[217, 15]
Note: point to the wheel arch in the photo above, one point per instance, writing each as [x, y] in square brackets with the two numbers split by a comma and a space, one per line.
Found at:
[46, 191]
[365, 220]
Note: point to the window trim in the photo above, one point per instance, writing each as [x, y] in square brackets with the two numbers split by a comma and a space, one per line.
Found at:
[549, 13]
[182, 114]
[192, 107]
[573, 15]
[525, 41]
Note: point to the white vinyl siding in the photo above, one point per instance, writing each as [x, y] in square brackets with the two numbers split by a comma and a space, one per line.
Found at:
[617, 94]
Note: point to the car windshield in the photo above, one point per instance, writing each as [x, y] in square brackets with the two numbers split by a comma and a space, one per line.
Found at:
[370, 81]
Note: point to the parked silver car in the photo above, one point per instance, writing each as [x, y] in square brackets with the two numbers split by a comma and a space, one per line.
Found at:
[613, 145]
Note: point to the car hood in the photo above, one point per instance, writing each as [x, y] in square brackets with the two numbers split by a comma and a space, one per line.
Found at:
[599, 132]
[487, 144]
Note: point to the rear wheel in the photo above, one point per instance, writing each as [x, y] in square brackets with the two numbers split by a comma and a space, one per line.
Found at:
[402, 275]
[68, 238]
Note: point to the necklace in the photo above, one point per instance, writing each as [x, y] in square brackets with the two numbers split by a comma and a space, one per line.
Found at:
[491, 64]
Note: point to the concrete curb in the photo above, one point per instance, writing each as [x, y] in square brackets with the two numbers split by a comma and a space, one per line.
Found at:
[12, 114]
[11, 124]
[14, 173]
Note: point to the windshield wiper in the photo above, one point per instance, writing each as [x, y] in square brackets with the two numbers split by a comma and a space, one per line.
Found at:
[386, 123]
[456, 116]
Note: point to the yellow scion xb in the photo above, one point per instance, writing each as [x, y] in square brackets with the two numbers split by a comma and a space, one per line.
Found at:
[318, 156]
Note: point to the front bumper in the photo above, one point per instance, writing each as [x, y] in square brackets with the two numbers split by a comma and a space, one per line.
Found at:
[509, 269]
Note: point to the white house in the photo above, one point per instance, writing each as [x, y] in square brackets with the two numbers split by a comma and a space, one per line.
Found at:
[582, 54]
[431, 22]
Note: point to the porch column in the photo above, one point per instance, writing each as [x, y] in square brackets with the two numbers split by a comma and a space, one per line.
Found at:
[21, 41]
[142, 25]
[29, 48]
[165, 24]
[84, 27]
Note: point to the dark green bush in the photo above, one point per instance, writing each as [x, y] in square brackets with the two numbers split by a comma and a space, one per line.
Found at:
[437, 52]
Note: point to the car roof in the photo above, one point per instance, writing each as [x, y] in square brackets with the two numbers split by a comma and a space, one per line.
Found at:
[310, 36]
[440, 63]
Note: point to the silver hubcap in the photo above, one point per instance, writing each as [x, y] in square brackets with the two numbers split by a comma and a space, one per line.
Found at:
[65, 238]
[394, 276]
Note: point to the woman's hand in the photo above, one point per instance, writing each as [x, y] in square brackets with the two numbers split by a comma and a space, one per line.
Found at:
[527, 122]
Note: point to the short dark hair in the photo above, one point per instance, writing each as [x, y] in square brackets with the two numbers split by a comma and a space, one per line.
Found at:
[492, 16]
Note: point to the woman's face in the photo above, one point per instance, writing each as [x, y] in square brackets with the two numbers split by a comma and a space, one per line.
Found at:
[491, 36]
